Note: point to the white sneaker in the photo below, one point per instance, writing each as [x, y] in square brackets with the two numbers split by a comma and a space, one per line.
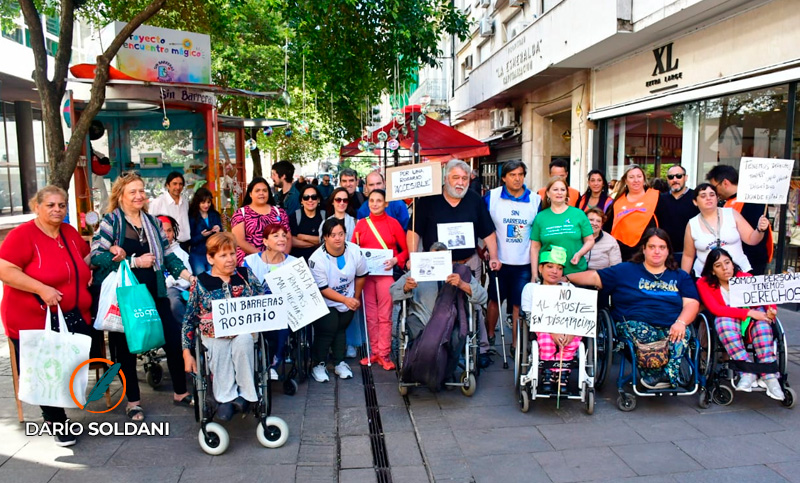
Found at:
[319, 373]
[773, 388]
[746, 382]
[343, 371]
[351, 352]
[273, 374]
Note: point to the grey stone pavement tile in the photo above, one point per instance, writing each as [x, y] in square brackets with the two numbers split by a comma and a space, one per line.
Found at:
[509, 468]
[480, 442]
[659, 429]
[253, 470]
[30, 474]
[355, 452]
[361, 475]
[584, 435]
[408, 474]
[727, 452]
[790, 471]
[122, 475]
[402, 449]
[655, 458]
[580, 465]
[750, 474]
[733, 423]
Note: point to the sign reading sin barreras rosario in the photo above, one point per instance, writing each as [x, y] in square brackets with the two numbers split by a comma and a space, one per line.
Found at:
[162, 55]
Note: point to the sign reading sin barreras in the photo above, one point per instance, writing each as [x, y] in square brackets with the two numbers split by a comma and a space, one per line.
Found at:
[521, 55]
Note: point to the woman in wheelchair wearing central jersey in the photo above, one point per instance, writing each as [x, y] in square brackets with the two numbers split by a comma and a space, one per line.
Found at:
[652, 300]
[735, 326]
[231, 360]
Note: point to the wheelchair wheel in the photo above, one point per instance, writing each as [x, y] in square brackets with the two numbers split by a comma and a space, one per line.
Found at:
[790, 397]
[722, 395]
[155, 375]
[524, 400]
[517, 355]
[290, 387]
[469, 384]
[705, 363]
[275, 434]
[589, 400]
[703, 398]
[605, 346]
[217, 440]
[403, 390]
[626, 402]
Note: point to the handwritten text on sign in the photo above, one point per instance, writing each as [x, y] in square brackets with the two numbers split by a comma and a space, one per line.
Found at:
[303, 301]
[781, 288]
[247, 315]
[423, 179]
[559, 309]
[764, 180]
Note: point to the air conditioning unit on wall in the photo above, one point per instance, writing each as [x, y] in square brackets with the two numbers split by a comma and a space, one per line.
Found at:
[516, 29]
[502, 119]
[487, 27]
[515, 3]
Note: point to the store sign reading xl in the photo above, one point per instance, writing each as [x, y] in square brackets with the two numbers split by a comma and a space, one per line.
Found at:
[664, 70]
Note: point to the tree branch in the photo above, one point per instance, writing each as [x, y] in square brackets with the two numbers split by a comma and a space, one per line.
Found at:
[64, 52]
[33, 21]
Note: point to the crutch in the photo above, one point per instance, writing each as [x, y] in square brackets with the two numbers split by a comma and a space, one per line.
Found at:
[500, 318]
[366, 330]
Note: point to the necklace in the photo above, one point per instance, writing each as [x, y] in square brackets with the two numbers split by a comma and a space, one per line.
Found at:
[55, 238]
[715, 234]
[139, 230]
[657, 276]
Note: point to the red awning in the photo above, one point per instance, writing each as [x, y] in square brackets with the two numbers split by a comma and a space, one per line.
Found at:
[438, 142]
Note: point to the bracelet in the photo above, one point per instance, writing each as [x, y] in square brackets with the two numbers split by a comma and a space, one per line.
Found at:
[682, 322]
[133, 261]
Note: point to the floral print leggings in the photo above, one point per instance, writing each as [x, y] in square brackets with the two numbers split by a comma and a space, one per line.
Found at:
[645, 332]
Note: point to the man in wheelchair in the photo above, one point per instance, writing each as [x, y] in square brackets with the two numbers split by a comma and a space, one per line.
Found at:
[653, 303]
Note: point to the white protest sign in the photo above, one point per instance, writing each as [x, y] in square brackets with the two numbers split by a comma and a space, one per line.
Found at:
[375, 258]
[781, 288]
[302, 299]
[561, 309]
[431, 266]
[456, 235]
[764, 181]
[247, 315]
[423, 179]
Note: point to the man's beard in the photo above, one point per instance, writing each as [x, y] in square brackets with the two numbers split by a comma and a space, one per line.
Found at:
[451, 192]
[676, 189]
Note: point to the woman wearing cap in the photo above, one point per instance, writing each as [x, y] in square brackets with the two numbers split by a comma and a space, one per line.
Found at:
[561, 224]
[653, 300]
[552, 346]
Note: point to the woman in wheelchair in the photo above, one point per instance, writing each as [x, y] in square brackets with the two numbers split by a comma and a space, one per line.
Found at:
[231, 360]
[552, 347]
[652, 300]
[737, 326]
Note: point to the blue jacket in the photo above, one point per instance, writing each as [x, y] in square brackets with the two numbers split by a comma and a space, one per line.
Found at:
[397, 209]
[198, 225]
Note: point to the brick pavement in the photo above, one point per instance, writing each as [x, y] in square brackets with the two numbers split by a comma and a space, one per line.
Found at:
[432, 437]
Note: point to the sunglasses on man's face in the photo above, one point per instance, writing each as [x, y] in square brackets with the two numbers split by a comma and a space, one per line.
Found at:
[310, 197]
[673, 176]
[340, 200]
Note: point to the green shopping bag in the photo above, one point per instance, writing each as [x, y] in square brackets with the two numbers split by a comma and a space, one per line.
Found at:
[140, 319]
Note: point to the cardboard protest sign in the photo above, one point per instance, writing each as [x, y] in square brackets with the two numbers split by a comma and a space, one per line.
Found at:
[247, 315]
[413, 181]
[302, 298]
[781, 288]
[764, 181]
[561, 309]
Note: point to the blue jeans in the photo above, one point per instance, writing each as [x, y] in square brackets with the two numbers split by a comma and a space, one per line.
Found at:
[199, 263]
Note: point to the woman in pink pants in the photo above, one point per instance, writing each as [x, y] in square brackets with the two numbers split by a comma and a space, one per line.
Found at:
[380, 231]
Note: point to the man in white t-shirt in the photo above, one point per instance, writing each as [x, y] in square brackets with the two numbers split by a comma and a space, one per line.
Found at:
[512, 207]
[171, 203]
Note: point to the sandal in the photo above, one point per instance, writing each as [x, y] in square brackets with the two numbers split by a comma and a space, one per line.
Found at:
[186, 400]
[135, 413]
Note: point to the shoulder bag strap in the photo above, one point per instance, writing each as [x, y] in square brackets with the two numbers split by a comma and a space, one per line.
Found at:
[377, 235]
[75, 265]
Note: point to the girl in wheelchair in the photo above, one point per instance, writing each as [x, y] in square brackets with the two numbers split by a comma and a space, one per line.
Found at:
[736, 327]
[231, 360]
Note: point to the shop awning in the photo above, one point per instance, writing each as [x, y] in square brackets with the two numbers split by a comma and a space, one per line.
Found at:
[438, 142]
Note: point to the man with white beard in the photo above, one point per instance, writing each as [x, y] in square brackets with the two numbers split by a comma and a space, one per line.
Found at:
[467, 217]
[676, 208]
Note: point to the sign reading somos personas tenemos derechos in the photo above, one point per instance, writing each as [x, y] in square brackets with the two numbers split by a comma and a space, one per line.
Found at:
[247, 315]
[764, 181]
[563, 309]
[781, 288]
[423, 179]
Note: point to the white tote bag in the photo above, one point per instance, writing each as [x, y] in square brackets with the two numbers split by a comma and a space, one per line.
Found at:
[47, 360]
[108, 316]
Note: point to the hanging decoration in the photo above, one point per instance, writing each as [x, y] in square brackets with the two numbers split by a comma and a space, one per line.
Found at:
[267, 131]
[315, 135]
[393, 133]
[382, 136]
[393, 144]
[421, 120]
[288, 132]
[251, 144]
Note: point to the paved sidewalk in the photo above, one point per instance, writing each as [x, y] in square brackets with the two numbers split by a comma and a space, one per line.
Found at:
[430, 437]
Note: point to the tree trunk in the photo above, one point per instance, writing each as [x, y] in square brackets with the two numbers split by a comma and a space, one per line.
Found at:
[256, 155]
[63, 161]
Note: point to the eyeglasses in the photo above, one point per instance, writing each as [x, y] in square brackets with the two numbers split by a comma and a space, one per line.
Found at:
[310, 197]
[341, 200]
[673, 176]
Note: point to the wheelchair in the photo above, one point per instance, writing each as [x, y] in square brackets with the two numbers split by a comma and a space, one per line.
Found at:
[154, 371]
[271, 431]
[467, 381]
[296, 365]
[721, 368]
[532, 375]
[694, 366]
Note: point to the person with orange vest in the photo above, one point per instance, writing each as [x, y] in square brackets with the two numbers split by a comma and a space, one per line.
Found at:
[633, 211]
[725, 180]
[560, 168]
